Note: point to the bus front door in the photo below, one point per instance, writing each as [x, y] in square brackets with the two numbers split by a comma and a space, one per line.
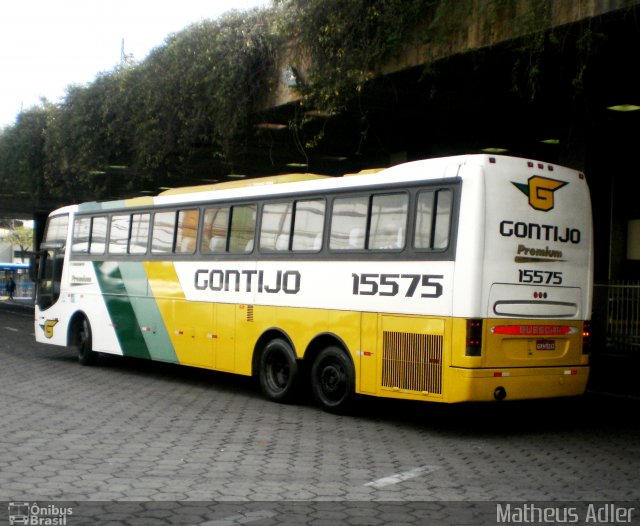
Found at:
[49, 276]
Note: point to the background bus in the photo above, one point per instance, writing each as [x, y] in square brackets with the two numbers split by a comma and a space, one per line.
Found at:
[455, 279]
[20, 273]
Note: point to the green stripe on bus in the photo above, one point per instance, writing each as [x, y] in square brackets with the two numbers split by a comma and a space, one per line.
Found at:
[120, 309]
[99, 206]
[147, 313]
[135, 316]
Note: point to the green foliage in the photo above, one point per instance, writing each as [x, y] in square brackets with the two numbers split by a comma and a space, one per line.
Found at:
[200, 89]
[74, 141]
[187, 109]
[22, 237]
[189, 102]
[22, 154]
[344, 43]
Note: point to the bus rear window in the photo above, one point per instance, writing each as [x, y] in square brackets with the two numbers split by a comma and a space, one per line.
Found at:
[433, 219]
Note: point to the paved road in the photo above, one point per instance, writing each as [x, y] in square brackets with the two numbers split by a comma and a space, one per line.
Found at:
[186, 446]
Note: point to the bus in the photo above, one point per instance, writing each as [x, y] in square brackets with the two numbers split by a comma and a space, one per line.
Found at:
[454, 279]
[19, 272]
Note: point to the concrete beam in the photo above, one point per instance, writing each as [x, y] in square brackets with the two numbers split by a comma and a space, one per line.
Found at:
[455, 27]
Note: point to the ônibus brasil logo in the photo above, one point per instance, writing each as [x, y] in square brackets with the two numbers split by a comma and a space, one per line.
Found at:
[540, 191]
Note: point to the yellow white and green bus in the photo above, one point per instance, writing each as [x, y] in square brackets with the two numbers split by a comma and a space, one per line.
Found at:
[465, 278]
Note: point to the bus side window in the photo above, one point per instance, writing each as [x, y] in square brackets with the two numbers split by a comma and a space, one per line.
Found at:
[214, 230]
[139, 234]
[119, 234]
[388, 221]
[433, 217]
[442, 219]
[164, 227]
[275, 226]
[243, 226]
[81, 231]
[308, 225]
[98, 235]
[187, 231]
[349, 223]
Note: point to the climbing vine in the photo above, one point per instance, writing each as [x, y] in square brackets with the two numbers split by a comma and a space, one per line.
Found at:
[342, 44]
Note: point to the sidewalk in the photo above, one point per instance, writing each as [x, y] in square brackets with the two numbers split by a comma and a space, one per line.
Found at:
[20, 303]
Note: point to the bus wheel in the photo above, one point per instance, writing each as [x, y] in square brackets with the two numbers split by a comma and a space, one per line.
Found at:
[333, 380]
[278, 371]
[84, 343]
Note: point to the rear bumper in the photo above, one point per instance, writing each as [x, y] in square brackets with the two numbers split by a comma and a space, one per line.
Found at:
[483, 385]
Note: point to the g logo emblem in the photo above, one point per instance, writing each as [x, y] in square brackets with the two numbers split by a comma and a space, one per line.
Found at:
[540, 191]
[48, 327]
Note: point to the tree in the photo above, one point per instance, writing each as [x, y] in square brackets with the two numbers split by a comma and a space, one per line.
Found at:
[22, 237]
[22, 153]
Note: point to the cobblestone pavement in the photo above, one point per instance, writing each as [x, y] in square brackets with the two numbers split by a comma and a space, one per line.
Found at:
[152, 443]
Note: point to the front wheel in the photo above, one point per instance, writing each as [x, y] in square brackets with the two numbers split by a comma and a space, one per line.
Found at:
[333, 380]
[84, 343]
[278, 371]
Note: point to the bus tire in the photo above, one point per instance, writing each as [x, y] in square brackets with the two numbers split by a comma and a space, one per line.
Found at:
[333, 380]
[278, 371]
[84, 343]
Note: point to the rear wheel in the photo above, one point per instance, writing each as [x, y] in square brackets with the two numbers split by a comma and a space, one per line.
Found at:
[333, 380]
[278, 371]
[84, 343]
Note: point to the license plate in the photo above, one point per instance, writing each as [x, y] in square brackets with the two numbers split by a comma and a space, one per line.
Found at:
[545, 345]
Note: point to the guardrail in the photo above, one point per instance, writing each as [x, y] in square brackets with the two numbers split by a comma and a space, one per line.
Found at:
[24, 290]
[617, 313]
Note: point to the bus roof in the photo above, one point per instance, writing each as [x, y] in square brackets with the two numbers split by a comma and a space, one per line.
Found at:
[273, 179]
[413, 171]
[13, 266]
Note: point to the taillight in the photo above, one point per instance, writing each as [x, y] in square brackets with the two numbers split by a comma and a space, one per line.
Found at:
[474, 338]
[586, 338]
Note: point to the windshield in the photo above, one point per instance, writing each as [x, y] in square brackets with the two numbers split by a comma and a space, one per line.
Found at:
[56, 231]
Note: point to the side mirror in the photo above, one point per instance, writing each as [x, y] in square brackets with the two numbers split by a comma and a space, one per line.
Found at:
[34, 258]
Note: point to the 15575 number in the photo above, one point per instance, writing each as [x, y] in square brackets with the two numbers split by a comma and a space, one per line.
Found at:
[393, 284]
[540, 277]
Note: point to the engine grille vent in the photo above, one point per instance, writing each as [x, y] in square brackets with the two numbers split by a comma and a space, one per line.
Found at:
[412, 362]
